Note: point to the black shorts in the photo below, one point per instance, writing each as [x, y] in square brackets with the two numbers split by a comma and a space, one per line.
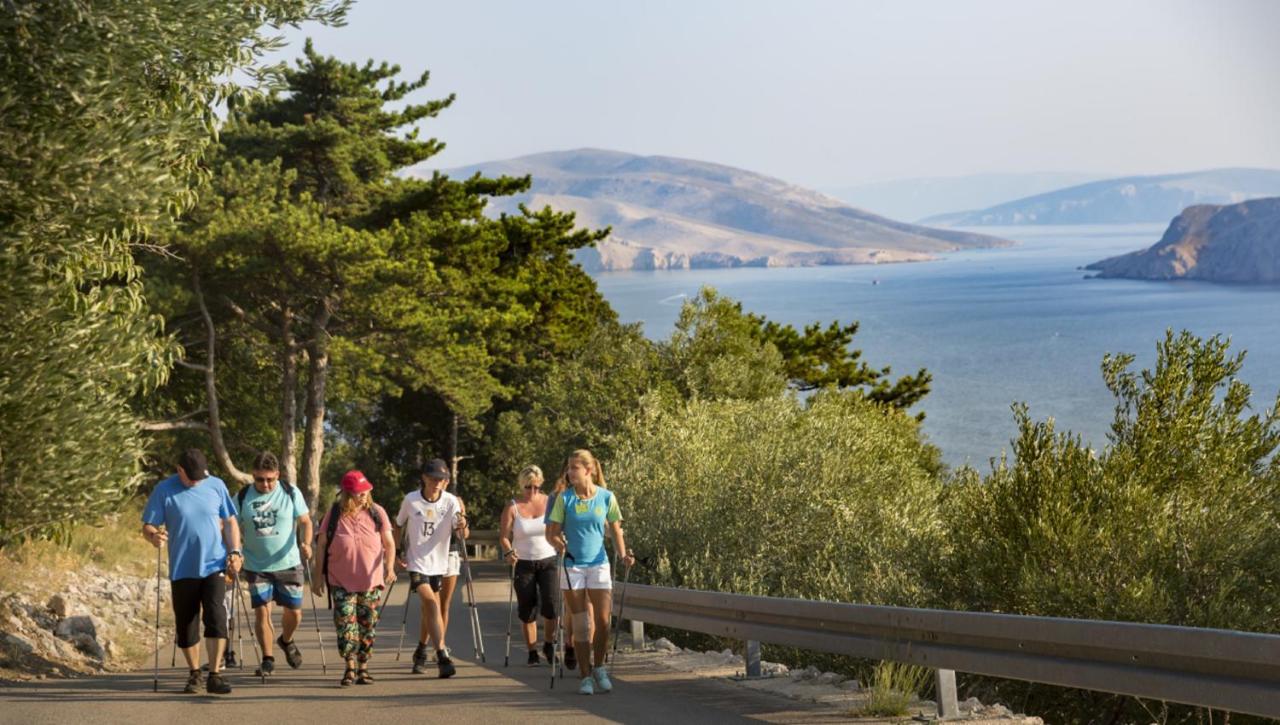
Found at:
[196, 600]
[433, 580]
[536, 588]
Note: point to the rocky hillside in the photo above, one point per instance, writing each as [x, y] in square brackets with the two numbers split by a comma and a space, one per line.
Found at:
[669, 213]
[1130, 200]
[1233, 243]
[98, 621]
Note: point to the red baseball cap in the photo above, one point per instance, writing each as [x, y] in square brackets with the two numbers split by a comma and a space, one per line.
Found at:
[355, 482]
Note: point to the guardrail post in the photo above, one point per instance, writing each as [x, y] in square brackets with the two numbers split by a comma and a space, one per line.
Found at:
[753, 658]
[947, 701]
[637, 635]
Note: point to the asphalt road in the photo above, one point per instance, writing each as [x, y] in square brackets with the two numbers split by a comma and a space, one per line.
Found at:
[479, 693]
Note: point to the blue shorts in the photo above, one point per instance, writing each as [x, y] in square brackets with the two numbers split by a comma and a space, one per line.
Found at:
[283, 587]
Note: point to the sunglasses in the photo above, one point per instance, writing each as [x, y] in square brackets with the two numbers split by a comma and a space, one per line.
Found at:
[531, 486]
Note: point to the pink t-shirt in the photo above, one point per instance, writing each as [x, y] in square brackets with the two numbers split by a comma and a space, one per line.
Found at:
[355, 554]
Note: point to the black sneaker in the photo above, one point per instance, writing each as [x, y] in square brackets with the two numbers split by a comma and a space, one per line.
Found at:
[445, 664]
[193, 682]
[215, 685]
[420, 659]
[229, 659]
[533, 658]
[570, 659]
[268, 666]
[292, 654]
[549, 652]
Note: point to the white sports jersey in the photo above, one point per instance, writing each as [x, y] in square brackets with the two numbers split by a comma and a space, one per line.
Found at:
[428, 527]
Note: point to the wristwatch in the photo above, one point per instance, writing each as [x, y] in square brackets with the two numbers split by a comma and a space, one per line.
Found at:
[235, 552]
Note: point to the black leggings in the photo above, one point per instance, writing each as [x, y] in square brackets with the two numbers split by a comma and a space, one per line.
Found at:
[190, 597]
[536, 585]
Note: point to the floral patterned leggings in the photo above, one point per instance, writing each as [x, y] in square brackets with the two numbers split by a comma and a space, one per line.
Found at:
[355, 614]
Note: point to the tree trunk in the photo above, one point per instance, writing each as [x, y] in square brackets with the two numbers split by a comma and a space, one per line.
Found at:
[211, 388]
[317, 376]
[289, 399]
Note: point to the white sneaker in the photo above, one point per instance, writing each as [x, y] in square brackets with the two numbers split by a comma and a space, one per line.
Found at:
[602, 679]
[588, 686]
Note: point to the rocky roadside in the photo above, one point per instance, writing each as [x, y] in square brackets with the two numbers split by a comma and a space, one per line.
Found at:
[99, 621]
[812, 685]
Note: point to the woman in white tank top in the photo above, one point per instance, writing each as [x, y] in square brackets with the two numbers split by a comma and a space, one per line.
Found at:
[524, 543]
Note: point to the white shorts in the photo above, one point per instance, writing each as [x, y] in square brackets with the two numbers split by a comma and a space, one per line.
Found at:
[455, 564]
[588, 577]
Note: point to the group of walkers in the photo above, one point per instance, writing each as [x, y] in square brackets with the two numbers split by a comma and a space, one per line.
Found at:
[262, 537]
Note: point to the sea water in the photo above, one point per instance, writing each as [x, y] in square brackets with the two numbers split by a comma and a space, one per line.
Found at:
[993, 327]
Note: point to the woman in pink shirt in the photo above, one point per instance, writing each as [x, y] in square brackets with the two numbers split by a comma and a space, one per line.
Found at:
[358, 561]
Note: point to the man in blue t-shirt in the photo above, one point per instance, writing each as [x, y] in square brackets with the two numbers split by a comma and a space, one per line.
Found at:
[277, 538]
[198, 520]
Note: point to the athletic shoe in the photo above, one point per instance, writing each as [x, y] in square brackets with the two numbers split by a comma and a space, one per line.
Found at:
[229, 659]
[268, 666]
[588, 686]
[193, 682]
[549, 652]
[602, 679]
[420, 657]
[215, 685]
[533, 658]
[570, 659]
[445, 664]
[292, 654]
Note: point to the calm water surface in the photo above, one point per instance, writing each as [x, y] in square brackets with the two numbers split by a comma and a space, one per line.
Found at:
[992, 326]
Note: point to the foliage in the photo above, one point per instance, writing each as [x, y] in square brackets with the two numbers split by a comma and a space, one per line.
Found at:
[1174, 522]
[826, 500]
[892, 686]
[102, 126]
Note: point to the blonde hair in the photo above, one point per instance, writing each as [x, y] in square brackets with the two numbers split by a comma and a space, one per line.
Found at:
[530, 473]
[349, 503]
[582, 455]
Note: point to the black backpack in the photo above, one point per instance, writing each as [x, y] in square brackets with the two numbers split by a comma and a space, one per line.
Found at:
[329, 531]
[244, 492]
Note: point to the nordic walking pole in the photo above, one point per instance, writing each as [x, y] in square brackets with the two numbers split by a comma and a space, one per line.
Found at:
[155, 683]
[306, 574]
[253, 638]
[622, 603]
[233, 622]
[404, 617]
[557, 646]
[477, 637]
[506, 660]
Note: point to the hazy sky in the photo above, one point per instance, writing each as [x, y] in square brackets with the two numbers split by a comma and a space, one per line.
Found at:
[835, 93]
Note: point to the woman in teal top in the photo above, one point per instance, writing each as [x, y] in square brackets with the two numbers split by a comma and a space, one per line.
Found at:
[579, 518]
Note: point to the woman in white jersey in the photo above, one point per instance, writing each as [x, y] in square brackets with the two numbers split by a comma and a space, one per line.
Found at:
[580, 518]
[524, 541]
[428, 519]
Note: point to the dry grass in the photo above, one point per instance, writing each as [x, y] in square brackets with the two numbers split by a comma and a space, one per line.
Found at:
[114, 544]
[893, 687]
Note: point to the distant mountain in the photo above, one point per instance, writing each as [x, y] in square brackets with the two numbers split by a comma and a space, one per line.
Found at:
[919, 198]
[1131, 200]
[669, 213]
[1233, 243]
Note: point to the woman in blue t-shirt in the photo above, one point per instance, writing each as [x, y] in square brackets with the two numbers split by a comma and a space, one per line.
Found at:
[579, 519]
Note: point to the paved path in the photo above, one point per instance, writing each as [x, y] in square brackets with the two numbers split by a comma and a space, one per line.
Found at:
[480, 693]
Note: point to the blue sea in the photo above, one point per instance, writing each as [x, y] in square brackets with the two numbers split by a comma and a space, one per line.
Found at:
[994, 327]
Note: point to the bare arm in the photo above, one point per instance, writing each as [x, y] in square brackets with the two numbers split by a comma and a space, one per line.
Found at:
[317, 567]
[505, 531]
[388, 556]
[231, 535]
[304, 535]
[462, 527]
[555, 536]
[620, 544]
[155, 536]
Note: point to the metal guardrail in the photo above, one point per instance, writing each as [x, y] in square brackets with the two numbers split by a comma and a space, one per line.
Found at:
[481, 541]
[1221, 669]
